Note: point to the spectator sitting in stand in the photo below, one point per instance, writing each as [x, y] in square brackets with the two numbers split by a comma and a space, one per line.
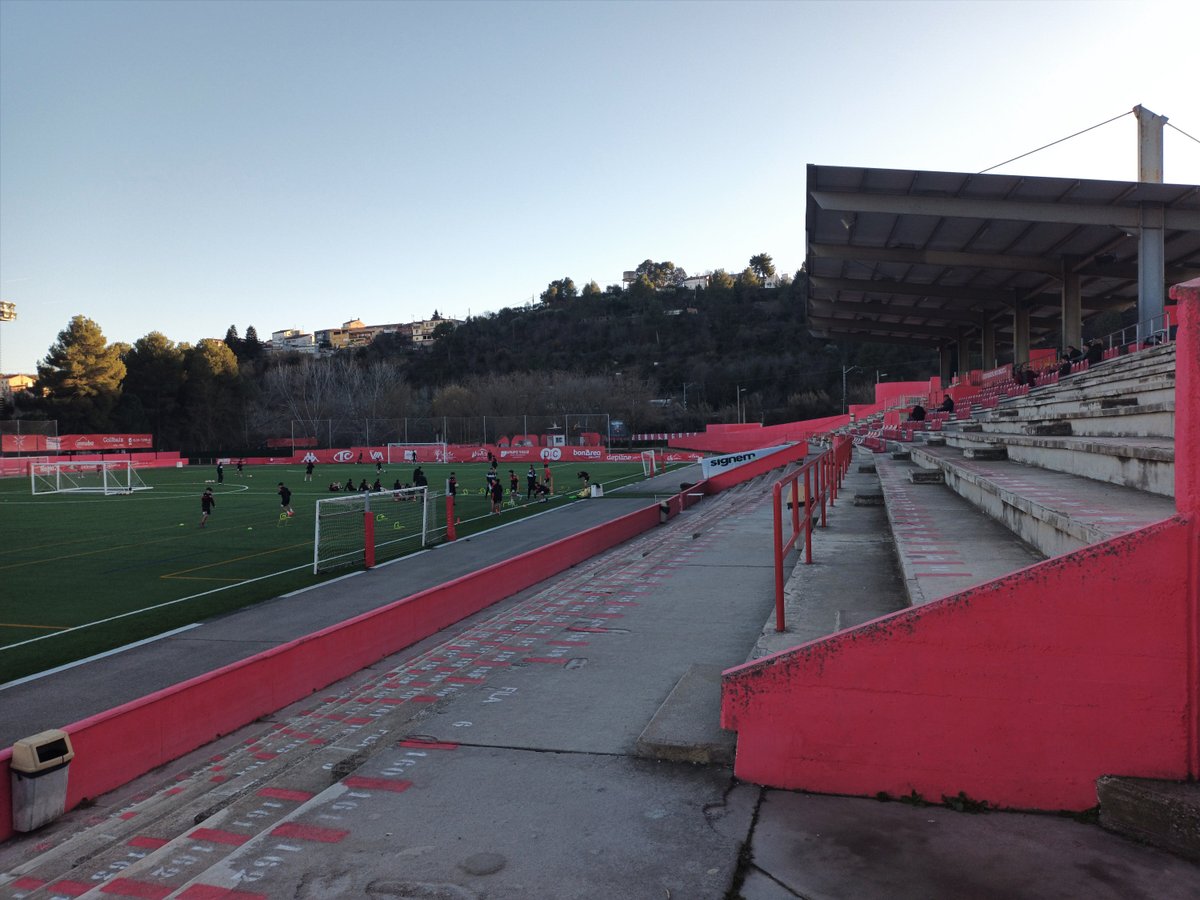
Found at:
[1072, 353]
[917, 414]
[947, 404]
[1095, 352]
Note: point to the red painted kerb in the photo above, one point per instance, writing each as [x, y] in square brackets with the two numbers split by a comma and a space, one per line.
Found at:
[1020, 692]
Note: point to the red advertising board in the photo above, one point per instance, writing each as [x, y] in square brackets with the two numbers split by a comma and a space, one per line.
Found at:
[23, 443]
[462, 453]
[97, 443]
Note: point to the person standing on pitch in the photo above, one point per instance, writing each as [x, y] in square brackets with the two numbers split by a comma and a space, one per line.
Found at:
[207, 502]
[308, 470]
[547, 478]
[241, 462]
[530, 482]
[220, 472]
[285, 499]
[514, 486]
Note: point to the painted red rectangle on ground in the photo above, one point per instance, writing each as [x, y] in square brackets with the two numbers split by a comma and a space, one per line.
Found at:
[127, 815]
[395, 785]
[428, 745]
[422, 699]
[143, 840]
[212, 892]
[285, 794]
[545, 659]
[316, 833]
[27, 884]
[127, 887]
[390, 701]
[217, 779]
[217, 836]
[265, 754]
[357, 720]
[420, 684]
[70, 888]
[175, 790]
[588, 630]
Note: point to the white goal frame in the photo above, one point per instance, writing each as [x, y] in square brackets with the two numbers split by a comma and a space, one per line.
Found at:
[353, 511]
[107, 477]
[427, 452]
[650, 464]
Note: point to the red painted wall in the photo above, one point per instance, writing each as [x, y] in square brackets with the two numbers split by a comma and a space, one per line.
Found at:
[1020, 692]
[732, 439]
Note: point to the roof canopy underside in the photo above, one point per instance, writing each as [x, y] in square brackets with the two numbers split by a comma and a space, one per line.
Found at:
[902, 256]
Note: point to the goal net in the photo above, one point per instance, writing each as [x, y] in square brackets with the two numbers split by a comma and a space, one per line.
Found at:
[416, 453]
[100, 477]
[401, 521]
[650, 464]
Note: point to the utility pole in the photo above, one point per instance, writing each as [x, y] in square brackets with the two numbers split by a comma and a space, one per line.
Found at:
[845, 370]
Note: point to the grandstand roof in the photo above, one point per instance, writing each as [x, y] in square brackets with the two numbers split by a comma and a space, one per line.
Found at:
[907, 256]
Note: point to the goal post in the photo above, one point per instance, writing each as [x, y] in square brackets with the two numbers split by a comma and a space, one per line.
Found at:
[434, 452]
[353, 530]
[650, 465]
[105, 477]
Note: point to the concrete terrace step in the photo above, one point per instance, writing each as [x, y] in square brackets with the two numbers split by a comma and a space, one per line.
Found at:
[1143, 463]
[944, 545]
[1055, 512]
[684, 728]
[1163, 813]
[1139, 420]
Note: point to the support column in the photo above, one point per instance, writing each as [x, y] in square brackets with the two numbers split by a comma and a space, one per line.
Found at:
[989, 345]
[1020, 334]
[1151, 251]
[944, 363]
[1152, 269]
[964, 356]
[1072, 311]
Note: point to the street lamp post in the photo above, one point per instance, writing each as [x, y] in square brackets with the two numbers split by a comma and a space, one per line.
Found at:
[740, 410]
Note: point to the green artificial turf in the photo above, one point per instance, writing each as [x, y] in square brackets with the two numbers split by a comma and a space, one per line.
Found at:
[84, 573]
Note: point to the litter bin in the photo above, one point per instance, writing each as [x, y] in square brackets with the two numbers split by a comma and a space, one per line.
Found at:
[39, 768]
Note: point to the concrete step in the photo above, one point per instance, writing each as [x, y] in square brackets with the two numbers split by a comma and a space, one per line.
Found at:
[1054, 511]
[1165, 814]
[686, 727]
[1142, 463]
[943, 544]
[1136, 420]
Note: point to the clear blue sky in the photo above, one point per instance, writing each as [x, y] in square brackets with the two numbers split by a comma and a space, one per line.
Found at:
[182, 167]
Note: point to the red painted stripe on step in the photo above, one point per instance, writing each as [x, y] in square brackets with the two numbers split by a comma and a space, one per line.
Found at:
[395, 785]
[428, 745]
[285, 794]
[127, 887]
[144, 840]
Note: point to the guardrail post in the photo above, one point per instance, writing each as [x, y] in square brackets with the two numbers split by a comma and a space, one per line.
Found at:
[808, 513]
[776, 505]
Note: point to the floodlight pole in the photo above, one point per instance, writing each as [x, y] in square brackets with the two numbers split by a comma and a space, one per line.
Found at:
[8, 312]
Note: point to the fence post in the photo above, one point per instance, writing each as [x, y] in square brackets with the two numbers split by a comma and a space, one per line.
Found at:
[808, 511]
[777, 518]
[451, 532]
[368, 533]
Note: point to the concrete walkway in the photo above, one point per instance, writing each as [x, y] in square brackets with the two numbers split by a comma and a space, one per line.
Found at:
[498, 760]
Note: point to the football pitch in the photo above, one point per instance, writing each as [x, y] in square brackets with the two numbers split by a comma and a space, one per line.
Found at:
[81, 574]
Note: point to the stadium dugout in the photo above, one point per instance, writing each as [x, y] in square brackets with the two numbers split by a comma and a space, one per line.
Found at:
[982, 267]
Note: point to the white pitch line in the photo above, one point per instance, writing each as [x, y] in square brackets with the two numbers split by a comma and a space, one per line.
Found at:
[112, 652]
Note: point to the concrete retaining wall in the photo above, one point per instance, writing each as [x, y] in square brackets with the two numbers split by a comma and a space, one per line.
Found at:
[1020, 692]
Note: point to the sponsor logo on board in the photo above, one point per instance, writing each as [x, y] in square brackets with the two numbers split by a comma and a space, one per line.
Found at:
[343, 456]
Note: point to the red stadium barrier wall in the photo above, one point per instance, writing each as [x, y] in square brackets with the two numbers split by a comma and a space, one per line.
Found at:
[169, 723]
[116, 746]
[732, 439]
[1020, 692]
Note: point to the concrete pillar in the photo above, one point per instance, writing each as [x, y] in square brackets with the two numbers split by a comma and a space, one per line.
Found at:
[989, 345]
[1151, 252]
[964, 356]
[1151, 270]
[944, 363]
[1072, 311]
[1020, 334]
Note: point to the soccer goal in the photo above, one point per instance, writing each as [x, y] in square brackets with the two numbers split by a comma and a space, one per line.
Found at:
[358, 528]
[416, 453]
[100, 477]
[650, 464]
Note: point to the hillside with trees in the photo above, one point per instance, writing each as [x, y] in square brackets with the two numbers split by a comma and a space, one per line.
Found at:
[661, 353]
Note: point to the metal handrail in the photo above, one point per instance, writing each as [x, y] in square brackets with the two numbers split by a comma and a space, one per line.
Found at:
[822, 477]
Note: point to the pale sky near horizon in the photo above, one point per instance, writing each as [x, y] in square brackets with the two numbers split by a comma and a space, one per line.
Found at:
[184, 166]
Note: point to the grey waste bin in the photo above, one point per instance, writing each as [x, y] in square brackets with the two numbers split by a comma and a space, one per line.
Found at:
[39, 768]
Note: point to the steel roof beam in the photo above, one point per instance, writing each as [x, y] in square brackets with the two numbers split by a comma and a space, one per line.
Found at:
[1128, 218]
[936, 258]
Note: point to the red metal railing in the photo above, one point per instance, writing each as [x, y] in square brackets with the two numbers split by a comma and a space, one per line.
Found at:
[821, 476]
